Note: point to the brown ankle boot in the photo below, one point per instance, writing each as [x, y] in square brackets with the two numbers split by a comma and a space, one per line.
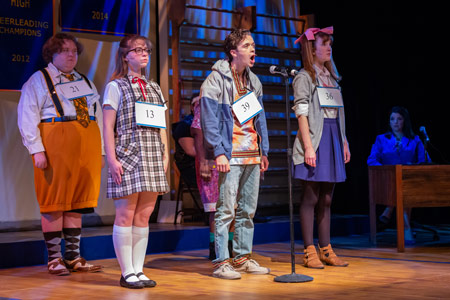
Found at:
[328, 257]
[310, 259]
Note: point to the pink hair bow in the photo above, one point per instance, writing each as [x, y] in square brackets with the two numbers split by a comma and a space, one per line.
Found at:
[310, 32]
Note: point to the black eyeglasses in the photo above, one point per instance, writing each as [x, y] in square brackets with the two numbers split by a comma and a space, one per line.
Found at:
[140, 50]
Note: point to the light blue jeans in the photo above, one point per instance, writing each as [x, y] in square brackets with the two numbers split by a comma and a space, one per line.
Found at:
[241, 186]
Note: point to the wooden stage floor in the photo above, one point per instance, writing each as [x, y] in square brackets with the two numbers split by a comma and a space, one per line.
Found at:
[373, 273]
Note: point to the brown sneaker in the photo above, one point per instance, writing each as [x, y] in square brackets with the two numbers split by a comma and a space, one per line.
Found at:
[328, 257]
[57, 267]
[310, 259]
[81, 265]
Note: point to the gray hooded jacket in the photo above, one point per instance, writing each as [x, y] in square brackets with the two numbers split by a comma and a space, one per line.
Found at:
[305, 93]
[217, 96]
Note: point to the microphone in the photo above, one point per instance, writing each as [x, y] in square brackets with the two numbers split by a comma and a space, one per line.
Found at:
[424, 132]
[283, 71]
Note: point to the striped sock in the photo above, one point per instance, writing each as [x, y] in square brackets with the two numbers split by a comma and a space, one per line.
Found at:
[53, 243]
[72, 242]
[220, 263]
[240, 260]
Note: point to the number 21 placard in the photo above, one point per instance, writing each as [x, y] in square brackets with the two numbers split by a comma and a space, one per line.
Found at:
[75, 89]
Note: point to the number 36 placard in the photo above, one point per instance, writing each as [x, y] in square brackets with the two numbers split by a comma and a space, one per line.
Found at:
[246, 107]
[149, 114]
[330, 97]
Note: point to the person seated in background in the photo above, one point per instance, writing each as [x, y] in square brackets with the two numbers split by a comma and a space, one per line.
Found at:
[399, 146]
[207, 180]
[184, 149]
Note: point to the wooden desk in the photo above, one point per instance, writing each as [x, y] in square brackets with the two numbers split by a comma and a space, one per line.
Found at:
[406, 186]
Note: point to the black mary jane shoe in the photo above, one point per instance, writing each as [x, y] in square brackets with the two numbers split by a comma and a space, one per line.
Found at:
[130, 285]
[147, 283]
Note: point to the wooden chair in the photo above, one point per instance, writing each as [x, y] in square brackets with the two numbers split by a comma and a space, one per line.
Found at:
[193, 191]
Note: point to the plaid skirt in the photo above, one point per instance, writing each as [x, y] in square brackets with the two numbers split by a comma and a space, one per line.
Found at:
[141, 154]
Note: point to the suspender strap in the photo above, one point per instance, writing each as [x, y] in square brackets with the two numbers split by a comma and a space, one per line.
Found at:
[89, 84]
[53, 94]
[85, 78]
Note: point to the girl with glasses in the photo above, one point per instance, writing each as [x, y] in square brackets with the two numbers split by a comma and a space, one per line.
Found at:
[137, 156]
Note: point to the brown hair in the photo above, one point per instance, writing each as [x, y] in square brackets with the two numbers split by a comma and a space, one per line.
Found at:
[55, 43]
[233, 39]
[407, 127]
[307, 50]
[125, 45]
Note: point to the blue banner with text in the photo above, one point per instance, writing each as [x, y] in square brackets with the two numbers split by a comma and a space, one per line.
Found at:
[111, 17]
[25, 25]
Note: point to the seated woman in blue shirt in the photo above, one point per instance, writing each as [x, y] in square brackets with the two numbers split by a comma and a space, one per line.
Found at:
[399, 146]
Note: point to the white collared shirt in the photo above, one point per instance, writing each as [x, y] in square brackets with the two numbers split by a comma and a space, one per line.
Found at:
[36, 104]
[113, 94]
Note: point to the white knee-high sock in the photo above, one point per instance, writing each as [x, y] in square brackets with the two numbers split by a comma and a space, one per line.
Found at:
[122, 240]
[140, 241]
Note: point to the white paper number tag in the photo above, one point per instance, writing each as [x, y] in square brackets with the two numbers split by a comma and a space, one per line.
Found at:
[330, 97]
[246, 107]
[75, 89]
[151, 115]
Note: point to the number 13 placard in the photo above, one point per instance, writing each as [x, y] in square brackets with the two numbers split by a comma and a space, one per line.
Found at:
[152, 115]
[246, 107]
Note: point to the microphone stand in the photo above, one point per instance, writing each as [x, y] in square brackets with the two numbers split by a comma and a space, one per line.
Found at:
[425, 141]
[293, 277]
[425, 146]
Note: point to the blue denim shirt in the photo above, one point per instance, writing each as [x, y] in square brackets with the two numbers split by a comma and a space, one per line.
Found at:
[388, 151]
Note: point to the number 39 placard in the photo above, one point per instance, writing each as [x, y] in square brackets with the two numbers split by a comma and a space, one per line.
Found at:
[330, 97]
[246, 107]
[151, 115]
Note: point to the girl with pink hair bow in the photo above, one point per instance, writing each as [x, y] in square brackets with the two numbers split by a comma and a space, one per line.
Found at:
[320, 149]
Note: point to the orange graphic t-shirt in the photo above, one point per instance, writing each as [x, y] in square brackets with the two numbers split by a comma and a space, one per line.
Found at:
[245, 138]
